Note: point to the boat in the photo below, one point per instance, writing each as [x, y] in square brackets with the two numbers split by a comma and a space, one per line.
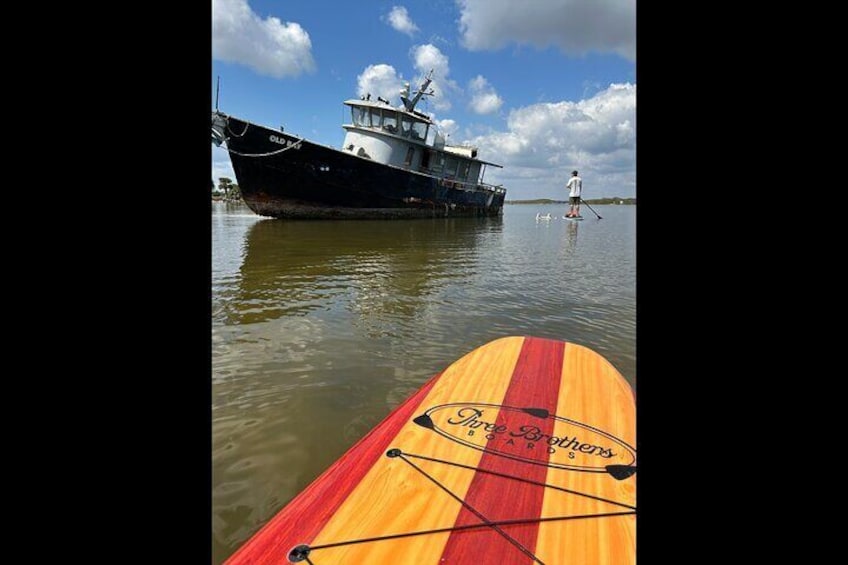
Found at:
[394, 163]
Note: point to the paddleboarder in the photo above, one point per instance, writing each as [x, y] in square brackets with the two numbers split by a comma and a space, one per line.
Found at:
[575, 188]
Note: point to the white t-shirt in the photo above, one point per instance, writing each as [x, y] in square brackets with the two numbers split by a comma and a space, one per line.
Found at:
[575, 185]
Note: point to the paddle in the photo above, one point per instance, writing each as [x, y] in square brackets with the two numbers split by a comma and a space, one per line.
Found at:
[592, 209]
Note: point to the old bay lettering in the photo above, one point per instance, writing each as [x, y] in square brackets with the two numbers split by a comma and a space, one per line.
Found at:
[471, 418]
[282, 141]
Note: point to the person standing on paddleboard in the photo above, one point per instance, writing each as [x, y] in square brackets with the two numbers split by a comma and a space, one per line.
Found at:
[575, 188]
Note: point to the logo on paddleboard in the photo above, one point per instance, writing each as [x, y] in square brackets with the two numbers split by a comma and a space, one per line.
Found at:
[533, 435]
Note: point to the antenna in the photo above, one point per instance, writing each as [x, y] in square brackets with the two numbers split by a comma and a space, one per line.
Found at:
[217, 90]
[422, 91]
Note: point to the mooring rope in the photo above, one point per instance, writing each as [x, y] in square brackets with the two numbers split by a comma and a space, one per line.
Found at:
[293, 145]
[244, 131]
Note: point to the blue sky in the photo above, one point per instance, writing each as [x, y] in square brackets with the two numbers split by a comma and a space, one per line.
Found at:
[541, 87]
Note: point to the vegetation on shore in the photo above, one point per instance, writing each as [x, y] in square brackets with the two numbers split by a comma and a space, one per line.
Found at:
[613, 200]
[226, 190]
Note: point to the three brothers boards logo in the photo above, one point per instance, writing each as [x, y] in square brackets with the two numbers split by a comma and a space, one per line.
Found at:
[532, 435]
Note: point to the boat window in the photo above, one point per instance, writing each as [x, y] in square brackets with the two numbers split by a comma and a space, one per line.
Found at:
[409, 153]
[437, 162]
[419, 130]
[450, 168]
[405, 126]
[376, 118]
[464, 168]
[360, 117]
[390, 122]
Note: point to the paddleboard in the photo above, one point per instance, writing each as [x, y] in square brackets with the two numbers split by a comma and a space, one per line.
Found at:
[522, 451]
[574, 218]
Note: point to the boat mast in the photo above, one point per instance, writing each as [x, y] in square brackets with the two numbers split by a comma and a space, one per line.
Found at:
[217, 90]
[410, 104]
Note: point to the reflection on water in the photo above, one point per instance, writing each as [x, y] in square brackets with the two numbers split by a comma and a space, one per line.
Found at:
[379, 268]
[319, 329]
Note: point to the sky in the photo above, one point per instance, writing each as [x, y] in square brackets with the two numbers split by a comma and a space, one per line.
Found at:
[542, 87]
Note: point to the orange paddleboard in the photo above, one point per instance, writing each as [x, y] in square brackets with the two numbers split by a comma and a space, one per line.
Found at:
[520, 452]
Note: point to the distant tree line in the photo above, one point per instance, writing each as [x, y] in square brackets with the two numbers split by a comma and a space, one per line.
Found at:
[613, 200]
[226, 190]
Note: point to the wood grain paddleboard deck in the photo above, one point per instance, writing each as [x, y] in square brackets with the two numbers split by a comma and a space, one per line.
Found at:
[522, 451]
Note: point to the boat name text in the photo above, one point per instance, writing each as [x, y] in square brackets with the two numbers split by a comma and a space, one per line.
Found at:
[283, 141]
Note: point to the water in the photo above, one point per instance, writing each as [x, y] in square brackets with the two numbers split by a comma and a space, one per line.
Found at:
[320, 329]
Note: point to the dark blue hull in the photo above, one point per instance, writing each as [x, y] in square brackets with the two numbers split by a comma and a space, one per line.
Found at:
[283, 176]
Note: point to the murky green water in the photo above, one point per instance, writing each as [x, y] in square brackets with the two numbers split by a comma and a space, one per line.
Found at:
[320, 329]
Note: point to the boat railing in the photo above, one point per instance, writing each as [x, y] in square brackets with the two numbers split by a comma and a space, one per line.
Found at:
[471, 186]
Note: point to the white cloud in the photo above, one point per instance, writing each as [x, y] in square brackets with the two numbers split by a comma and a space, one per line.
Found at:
[484, 99]
[383, 80]
[269, 47]
[577, 27]
[427, 57]
[448, 128]
[399, 19]
[379, 80]
[545, 141]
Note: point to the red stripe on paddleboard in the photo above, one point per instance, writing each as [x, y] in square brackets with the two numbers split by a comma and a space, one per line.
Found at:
[535, 384]
[297, 523]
